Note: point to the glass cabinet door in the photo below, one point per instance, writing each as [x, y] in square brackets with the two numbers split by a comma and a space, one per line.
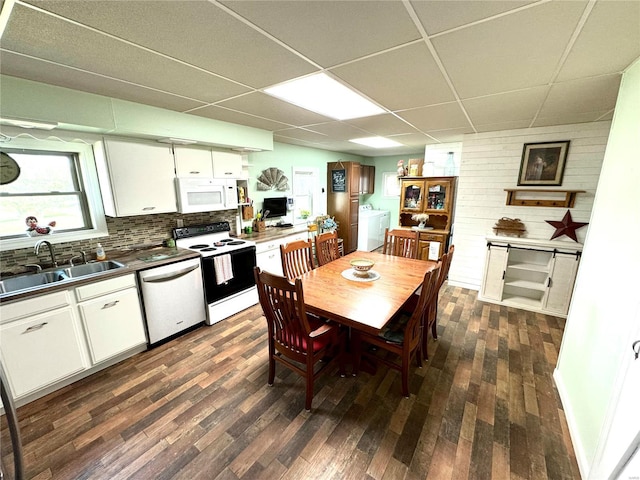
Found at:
[437, 195]
[412, 195]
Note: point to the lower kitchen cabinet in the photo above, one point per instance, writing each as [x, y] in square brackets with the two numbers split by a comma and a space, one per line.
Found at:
[535, 275]
[427, 240]
[39, 350]
[113, 323]
[268, 252]
[50, 340]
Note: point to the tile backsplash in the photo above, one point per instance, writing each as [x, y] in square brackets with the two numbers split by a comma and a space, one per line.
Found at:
[123, 232]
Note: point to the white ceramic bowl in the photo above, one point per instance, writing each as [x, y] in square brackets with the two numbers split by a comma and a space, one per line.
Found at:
[361, 266]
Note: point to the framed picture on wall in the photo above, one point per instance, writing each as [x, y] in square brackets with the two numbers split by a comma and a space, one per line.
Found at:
[543, 163]
[390, 184]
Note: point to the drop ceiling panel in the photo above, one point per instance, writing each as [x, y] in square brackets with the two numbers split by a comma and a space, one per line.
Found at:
[303, 134]
[596, 94]
[339, 130]
[611, 27]
[44, 36]
[511, 52]
[520, 105]
[231, 116]
[47, 72]
[452, 135]
[437, 117]
[399, 79]
[438, 16]
[266, 106]
[214, 40]
[330, 32]
[569, 117]
[384, 124]
[492, 127]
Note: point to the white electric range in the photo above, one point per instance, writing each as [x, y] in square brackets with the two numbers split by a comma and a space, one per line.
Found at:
[227, 267]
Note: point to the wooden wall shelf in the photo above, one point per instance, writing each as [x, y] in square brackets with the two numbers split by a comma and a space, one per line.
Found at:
[540, 197]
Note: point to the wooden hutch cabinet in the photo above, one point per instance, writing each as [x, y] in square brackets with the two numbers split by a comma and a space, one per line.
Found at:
[434, 196]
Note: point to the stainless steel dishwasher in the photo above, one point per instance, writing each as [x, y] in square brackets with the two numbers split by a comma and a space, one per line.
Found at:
[173, 298]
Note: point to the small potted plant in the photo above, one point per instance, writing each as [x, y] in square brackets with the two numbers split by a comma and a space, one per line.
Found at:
[304, 214]
[421, 218]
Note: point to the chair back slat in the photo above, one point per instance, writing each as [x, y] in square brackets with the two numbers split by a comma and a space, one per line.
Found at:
[414, 326]
[401, 243]
[283, 306]
[297, 258]
[327, 249]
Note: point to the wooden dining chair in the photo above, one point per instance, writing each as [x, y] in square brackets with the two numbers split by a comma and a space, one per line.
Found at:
[402, 336]
[297, 341]
[401, 243]
[297, 258]
[431, 318]
[327, 249]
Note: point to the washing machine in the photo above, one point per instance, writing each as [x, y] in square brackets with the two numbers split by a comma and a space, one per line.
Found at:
[371, 226]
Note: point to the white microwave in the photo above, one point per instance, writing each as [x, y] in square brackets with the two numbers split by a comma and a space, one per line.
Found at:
[206, 194]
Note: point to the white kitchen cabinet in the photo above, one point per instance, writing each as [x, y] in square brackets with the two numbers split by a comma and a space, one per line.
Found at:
[42, 349]
[193, 162]
[268, 252]
[227, 164]
[535, 275]
[136, 178]
[112, 317]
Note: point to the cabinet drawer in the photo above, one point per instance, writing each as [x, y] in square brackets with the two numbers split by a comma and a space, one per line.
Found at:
[113, 324]
[432, 237]
[34, 306]
[106, 286]
[41, 350]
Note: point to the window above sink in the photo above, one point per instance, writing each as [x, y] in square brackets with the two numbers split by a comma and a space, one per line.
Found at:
[57, 182]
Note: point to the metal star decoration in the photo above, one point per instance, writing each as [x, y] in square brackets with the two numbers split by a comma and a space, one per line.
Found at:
[566, 227]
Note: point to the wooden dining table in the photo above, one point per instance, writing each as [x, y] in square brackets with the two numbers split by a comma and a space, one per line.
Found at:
[365, 305]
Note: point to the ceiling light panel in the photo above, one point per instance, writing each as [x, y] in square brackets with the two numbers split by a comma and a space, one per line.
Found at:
[376, 142]
[324, 95]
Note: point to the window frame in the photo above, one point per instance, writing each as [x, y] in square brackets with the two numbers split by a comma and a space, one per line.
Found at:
[87, 175]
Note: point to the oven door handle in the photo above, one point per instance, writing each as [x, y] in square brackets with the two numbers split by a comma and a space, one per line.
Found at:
[166, 277]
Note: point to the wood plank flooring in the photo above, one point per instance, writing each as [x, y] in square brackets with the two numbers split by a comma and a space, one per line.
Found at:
[198, 407]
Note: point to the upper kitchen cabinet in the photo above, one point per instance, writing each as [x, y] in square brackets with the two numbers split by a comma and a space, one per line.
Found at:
[136, 178]
[193, 162]
[227, 164]
[367, 179]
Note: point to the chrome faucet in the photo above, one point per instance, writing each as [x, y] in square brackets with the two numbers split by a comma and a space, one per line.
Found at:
[82, 254]
[51, 252]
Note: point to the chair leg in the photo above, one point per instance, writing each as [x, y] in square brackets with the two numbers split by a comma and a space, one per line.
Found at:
[356, 343]
[405, 375]
[434, 321]
[272, 370]
[341, 361]
[309, 387]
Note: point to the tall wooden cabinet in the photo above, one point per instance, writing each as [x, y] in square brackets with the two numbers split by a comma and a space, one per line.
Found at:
[343, 185]
[434, 196]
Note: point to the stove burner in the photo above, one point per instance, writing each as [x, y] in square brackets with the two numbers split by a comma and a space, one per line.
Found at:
[236, 242]
[199, 246]
[225, 240]
[208, 249]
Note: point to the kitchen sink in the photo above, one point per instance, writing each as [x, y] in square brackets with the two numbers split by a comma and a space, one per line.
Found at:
[41, 279]
[22, 282]
[91, 268]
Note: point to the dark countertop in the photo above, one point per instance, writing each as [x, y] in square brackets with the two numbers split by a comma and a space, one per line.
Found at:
[271, 233]
[134, 260]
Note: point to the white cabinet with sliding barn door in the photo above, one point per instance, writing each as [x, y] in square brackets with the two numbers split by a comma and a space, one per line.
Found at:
[136, 178]
[534, 275]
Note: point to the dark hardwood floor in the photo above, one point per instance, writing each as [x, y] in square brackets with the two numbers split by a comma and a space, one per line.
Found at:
[198, 407]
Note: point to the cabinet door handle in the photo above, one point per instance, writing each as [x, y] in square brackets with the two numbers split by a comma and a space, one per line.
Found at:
[548, 282]
[110, 304]
[149, 208]
[194, 172]
[33, 328]
[503, 273]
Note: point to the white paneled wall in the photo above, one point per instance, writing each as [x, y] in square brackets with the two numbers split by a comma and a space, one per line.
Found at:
[491, 162]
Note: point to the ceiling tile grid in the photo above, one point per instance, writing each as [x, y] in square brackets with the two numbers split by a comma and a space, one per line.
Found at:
[439, 69]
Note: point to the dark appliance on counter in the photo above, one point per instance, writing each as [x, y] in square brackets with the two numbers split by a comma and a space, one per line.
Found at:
[227, 265]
